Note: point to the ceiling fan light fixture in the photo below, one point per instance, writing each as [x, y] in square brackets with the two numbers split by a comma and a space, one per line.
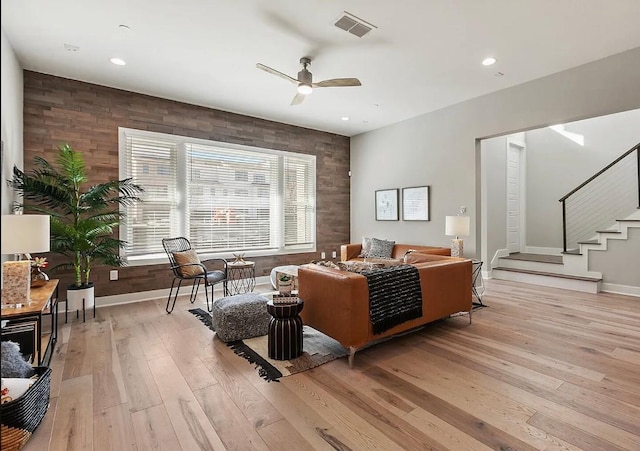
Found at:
[305, 89]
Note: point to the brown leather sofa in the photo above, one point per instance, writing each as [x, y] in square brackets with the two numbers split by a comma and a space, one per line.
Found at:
[352, 251]
[336, 302]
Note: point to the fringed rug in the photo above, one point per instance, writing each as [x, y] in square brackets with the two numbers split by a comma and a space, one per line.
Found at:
[318, 349]
[203, 316]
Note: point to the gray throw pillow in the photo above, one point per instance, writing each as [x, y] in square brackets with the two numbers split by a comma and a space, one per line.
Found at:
[381, 248]
[13, 364]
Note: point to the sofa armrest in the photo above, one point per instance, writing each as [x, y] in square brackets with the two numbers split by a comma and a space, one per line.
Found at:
[350, 251]
[336, 303]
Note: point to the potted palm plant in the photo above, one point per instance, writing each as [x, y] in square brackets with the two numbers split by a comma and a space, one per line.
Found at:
[83, 217]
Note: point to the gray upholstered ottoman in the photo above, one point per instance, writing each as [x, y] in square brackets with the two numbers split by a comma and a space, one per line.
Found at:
[240, 316]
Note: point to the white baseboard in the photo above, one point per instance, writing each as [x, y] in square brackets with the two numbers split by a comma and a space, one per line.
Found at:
[140, 296]
[543, 250]
[620, 289]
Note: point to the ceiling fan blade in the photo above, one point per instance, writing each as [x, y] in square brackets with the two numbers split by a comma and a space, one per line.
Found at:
[337, 82]
[277, 73]
[297, 100]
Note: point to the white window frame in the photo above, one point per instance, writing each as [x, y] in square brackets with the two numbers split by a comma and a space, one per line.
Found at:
[182, 142]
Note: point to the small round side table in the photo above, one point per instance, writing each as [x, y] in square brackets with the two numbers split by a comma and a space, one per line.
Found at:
[285, 330]
[241, 277]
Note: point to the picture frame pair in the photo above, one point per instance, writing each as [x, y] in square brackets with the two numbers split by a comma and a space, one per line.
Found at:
[415, 204]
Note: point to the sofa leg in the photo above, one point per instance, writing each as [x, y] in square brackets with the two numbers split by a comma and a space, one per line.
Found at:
[471, 310]
[352, 355]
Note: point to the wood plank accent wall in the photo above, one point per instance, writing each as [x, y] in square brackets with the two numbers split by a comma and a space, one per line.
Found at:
[87, 116]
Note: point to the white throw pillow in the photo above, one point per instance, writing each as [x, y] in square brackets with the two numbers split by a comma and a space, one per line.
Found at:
[14, 387]
[366, 247]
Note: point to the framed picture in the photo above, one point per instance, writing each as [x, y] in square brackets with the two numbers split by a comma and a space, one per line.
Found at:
[387, 205]
[415, 203]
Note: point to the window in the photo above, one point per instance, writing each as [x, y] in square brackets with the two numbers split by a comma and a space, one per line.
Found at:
[277, 216]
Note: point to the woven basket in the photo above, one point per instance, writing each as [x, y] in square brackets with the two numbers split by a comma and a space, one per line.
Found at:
[22, 416]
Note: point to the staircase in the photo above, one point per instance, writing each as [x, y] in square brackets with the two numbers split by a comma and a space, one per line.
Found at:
[587, 224]
[569, 270]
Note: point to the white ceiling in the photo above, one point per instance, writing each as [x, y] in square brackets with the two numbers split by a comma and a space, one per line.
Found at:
[424, 55]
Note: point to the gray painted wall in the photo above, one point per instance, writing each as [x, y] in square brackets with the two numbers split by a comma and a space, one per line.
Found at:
[440, 148]
[620, 262]
[556, 165]
[11, 87]
[494, 195]
[11, 119]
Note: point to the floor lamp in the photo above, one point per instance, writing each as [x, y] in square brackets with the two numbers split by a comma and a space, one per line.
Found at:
[457, 226]
[21, 235]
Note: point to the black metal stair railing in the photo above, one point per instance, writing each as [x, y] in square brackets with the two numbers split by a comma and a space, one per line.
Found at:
[596, 203]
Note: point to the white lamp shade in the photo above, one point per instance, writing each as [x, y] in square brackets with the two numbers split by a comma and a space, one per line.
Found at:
[25, 234]
[457, 225]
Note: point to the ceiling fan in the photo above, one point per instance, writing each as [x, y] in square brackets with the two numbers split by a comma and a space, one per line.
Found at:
[305, 80]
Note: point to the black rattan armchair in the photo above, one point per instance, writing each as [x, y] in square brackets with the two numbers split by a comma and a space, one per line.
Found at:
[193, 270]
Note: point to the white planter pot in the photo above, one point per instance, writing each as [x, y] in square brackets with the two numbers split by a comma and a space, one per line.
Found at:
[76, 295]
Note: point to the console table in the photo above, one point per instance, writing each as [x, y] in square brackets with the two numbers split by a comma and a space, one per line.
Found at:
[44, 301]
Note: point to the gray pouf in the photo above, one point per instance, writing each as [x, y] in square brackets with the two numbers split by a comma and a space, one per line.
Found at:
[240, 316]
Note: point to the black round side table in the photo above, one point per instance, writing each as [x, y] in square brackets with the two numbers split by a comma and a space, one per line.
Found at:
[285, 330]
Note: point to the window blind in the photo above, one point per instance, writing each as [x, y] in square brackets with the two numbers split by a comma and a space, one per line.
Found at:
[231, 197]
[151, 163]
[223, 198]
[299, 202]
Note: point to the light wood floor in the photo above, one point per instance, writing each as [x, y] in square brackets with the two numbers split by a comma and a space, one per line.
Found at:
[538, 369]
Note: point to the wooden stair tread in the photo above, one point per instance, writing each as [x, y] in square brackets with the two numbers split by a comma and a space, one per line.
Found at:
[607, 231]
[589, 242]
[572, 252]
[539, 258]
[550, 274]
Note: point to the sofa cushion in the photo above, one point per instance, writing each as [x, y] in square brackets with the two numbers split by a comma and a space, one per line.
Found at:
[381, 248]
[188, 258]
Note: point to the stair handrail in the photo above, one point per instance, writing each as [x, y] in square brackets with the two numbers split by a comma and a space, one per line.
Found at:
[636, 149]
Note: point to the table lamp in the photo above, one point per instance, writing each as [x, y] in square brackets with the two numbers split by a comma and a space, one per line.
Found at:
[457, 226]
[21, 234]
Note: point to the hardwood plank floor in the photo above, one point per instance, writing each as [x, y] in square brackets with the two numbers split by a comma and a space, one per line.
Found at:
[539, 368]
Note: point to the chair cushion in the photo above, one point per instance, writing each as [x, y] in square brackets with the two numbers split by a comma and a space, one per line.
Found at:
[188, 258]
[215, 276]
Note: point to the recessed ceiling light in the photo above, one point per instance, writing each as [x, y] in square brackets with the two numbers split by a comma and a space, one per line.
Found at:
[71, 48]
[488, 61]
[118, 61]
[345, 118]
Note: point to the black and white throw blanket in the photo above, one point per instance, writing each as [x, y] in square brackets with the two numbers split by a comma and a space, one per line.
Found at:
[394, 296]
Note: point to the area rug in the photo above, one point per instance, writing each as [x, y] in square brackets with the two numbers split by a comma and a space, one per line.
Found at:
[203, 316]
[318, 350]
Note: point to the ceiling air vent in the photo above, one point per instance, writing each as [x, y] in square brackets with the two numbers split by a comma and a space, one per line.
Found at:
[354, 25]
